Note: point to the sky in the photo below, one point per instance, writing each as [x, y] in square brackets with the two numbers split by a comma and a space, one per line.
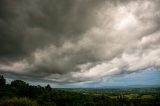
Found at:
[75, 43]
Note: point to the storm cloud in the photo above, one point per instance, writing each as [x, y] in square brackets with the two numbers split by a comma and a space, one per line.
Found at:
[78, 40]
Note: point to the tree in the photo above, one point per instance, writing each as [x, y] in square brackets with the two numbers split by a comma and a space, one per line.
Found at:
[19, 84]
[2, 81]
[20, 87]
[48, 87]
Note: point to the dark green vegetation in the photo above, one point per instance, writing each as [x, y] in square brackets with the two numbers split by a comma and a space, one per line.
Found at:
[20, 93]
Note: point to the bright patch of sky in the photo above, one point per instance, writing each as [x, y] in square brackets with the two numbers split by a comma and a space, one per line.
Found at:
[146, 78]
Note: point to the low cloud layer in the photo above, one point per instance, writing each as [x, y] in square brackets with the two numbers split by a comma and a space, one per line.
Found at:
[78, 40]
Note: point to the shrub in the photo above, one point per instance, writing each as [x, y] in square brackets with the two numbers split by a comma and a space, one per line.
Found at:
[18, 102]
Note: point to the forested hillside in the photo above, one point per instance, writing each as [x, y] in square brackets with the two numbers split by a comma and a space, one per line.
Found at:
[20, 93]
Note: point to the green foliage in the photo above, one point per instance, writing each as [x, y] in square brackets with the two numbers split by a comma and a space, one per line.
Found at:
[2, 81]
[20, 88]
[48, 87]
[18, 102]
[20, 93]
[19, 84]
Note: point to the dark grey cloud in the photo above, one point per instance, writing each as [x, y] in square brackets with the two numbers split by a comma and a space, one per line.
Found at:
[78, 40]
[28, 25]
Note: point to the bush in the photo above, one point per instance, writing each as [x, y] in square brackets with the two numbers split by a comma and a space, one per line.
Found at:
[18, 102]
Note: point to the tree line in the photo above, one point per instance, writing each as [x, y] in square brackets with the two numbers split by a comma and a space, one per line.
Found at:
[20, 93]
